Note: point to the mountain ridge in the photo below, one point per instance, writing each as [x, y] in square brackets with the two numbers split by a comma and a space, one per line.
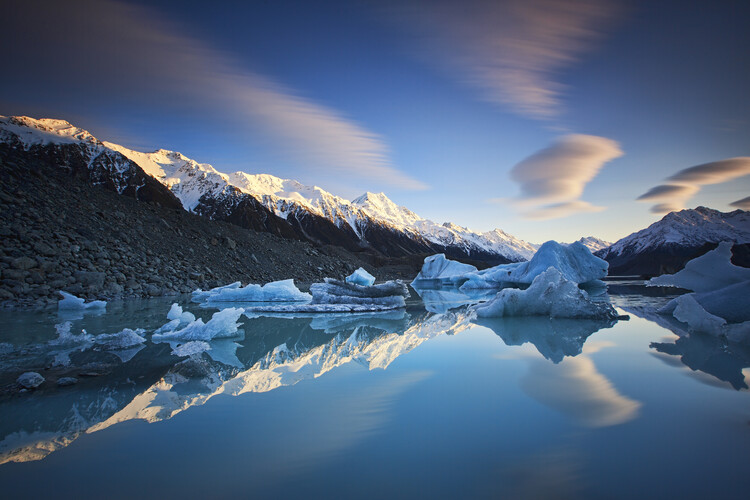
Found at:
[369, 221]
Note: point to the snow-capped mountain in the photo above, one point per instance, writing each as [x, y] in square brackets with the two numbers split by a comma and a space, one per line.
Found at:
[594, 244]
[667, 244]
[370, 221]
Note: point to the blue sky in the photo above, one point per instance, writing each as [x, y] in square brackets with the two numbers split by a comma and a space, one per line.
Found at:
[547, 119]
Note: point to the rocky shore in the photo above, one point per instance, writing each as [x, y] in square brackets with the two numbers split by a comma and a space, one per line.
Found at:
[60, 233]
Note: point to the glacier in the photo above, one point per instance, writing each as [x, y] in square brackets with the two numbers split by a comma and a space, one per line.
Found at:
[361, 277]
[439, 271]
[711, 271]
[275, 291]
[575, 262]
[223, 324]
[550, 294]
[339, 296]
[70, 302]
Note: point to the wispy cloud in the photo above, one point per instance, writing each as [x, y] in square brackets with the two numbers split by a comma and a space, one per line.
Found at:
[683, 185]
[513, 51]
[744, 203]
[552, 180]
[141, 58]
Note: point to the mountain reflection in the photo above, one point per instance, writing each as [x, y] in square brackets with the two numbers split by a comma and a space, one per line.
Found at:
[554, 338]
[153, 385]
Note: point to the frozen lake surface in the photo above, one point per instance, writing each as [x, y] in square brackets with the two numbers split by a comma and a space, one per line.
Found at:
[422, 402]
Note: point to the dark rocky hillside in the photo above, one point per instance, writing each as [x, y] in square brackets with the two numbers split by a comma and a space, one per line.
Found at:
[61, 233]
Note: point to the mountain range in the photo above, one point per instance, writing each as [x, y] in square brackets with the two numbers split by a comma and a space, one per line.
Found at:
[256, 201]
[370, 223]
[666, 245]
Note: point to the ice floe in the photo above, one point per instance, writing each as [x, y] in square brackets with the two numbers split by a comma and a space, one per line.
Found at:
[340, 296]
[125, 339]
[276, 291]
[70, 302]
[202, 295]
[223, 324]
[575, 262]
[190, 348]
[439, 271]
[721, 313]
[361, 277]
[176, 313]
[550, 294]
[710, 271]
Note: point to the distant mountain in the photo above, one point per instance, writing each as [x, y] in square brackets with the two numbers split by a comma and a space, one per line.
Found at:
[256, 201]
[594, 244]
[665, 246]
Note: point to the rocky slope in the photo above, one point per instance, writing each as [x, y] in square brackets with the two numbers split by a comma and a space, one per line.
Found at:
[101, 239]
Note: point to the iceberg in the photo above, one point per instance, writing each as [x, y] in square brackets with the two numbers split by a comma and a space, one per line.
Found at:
[190, 348]
[340, 296]
[70, 302]
[711, 271]
[441, 300]
[575, 262]
[176, 313]
[361, 277]
[721, 313]
[550, 294]
[201, 295]
[223, 324]
[439, 271]
[276, 291]
[125, 339]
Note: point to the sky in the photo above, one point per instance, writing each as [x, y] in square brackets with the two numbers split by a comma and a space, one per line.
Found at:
[548, 119]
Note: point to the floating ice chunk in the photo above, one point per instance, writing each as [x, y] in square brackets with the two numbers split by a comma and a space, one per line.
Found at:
[575, 262]
[550, 294]
[223, 324]
[30, 380]
[439, 271]
[721, 313]
[340, 296]
[65, 337]
[710, 271]
[201, 295]
[125, 339]
[361, 277]
[441, 300]
[71, 302]
[190, 348]
[176, 312]
[276, 291]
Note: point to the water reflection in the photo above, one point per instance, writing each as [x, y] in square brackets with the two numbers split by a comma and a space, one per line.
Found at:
[554, 338]
[577, 389]
[440, 300]
[151, 384]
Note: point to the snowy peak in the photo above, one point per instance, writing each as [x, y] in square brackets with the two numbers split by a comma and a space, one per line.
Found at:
[379, 206]
[44, 131]
[594, 244]
[690, 228]
[392, 229]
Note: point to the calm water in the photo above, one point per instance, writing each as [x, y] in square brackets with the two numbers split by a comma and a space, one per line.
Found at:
[422, 402]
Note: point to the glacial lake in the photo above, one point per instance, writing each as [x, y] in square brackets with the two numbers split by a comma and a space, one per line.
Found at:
[422, 402]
